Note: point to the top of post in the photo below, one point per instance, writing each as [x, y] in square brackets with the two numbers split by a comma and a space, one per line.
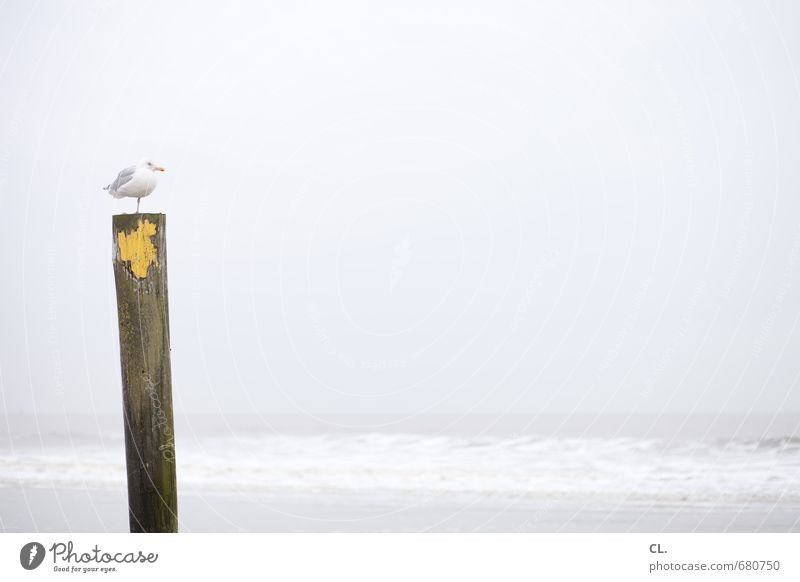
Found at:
[139, 242]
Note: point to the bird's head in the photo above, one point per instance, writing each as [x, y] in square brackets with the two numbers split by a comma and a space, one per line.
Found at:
[151, 166]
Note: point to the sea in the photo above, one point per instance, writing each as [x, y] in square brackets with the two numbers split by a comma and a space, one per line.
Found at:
[617, 462]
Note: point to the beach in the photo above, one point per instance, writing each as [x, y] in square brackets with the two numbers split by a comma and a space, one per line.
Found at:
[74, 510]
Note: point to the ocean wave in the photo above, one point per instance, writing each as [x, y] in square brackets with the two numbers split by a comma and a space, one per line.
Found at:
[421, 466]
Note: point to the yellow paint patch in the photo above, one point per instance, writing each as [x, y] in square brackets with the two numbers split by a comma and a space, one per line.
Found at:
[137, 248]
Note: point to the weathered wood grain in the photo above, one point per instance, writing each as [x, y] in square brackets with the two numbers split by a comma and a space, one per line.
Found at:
[140, 274]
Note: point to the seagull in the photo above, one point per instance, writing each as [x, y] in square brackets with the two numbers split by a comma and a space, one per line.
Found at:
[135, 181]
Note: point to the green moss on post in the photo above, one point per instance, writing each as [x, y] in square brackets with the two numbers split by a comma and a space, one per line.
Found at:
[140, 274]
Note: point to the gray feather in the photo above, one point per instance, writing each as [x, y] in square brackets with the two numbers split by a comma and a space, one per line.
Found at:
[122, 178]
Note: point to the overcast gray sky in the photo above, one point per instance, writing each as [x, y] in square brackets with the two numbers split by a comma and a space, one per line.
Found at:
[441, 207]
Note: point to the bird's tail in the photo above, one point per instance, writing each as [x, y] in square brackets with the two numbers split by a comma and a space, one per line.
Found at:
[107, 187]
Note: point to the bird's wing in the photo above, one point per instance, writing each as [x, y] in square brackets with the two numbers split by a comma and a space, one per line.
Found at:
[122, 178]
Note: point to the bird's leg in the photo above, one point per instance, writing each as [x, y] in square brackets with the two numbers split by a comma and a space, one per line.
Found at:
[137, 205]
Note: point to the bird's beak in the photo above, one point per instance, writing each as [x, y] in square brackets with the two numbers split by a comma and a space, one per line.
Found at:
[159, 169]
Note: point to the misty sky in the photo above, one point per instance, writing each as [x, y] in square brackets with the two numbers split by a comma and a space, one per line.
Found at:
[428, 207]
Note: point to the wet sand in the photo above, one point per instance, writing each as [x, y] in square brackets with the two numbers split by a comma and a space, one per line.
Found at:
[27, 509]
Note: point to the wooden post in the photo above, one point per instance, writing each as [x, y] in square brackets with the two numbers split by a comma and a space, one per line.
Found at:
[140, 274]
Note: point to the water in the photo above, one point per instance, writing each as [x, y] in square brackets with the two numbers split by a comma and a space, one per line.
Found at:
[418, 465]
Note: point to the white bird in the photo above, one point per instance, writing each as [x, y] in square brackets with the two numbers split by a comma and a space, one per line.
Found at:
[135, 181]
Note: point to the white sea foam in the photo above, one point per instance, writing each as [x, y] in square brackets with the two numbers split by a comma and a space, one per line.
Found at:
[420, 465]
